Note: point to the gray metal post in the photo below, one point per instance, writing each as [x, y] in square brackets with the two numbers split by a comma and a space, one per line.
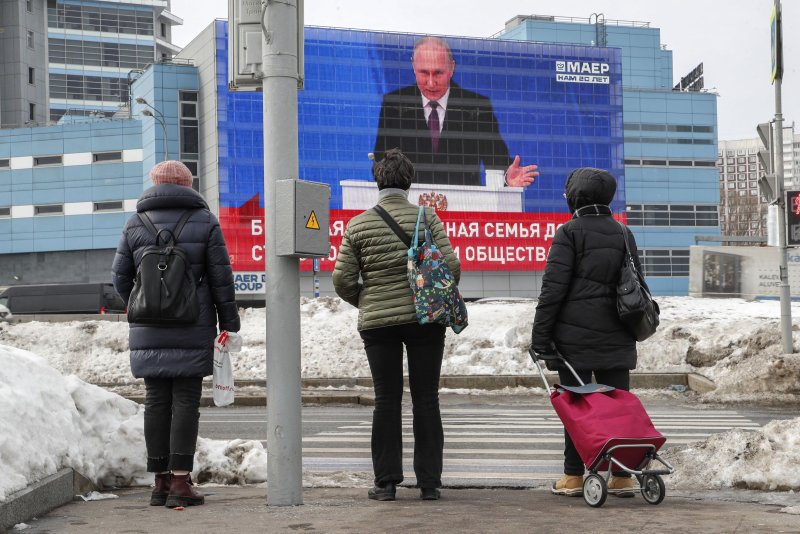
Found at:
[784, 290]
[284, 438]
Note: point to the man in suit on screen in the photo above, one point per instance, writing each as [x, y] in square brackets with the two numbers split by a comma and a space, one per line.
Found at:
[445, 130]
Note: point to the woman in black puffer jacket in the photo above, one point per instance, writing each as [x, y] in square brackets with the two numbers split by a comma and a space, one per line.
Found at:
[577, 310]
[174, 359]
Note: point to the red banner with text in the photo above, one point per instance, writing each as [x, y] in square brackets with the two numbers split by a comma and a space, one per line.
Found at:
[483, 241]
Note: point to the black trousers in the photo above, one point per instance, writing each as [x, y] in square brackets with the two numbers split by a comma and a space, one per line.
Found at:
[171, 416]
[424, 347]
[618, 378]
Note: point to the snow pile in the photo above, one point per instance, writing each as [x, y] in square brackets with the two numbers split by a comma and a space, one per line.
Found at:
[734, 342]
[49, 422]
[763, 459]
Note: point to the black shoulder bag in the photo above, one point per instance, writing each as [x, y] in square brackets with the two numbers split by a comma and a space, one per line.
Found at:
[636, 307]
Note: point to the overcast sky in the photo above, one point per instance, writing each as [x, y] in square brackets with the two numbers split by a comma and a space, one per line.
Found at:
[730, 37]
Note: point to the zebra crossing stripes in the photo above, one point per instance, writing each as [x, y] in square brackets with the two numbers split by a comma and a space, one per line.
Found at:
[484, 446]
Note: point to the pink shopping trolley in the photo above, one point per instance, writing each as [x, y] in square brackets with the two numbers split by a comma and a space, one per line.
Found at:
[609, 427]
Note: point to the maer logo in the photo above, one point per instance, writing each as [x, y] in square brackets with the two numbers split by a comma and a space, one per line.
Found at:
[582, 72]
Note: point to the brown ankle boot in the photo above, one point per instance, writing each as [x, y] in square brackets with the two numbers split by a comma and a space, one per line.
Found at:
[182, 492]
[161, 489]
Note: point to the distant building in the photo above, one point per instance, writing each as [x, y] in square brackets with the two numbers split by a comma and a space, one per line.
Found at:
[76, 57]
[743, 211]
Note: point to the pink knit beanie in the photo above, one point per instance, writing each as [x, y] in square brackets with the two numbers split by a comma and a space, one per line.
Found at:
[171, 172]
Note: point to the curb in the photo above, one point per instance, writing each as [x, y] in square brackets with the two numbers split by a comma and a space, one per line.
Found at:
[307, 399]
[38, 499]
[316, 397]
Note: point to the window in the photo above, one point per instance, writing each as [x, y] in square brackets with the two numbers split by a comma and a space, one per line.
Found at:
[29, 6]
[672, 214]
[30, 39]
[666, 262]
[163, 30]
[112, 205]
[47, 160]
[31, 75]
[103, 157]
[192, 165]
[189, 125]
[48, 209]
[5, 163]
[31, 112]
[5, 211]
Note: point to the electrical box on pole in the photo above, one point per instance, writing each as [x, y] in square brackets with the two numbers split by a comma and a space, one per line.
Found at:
[246, 25]
[302, 214]
[244, 44]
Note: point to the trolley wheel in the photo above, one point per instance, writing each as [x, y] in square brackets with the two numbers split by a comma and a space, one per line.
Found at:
[653, 489]
[595, 490]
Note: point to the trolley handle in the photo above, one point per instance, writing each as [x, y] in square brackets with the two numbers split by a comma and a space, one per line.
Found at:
[555, 356]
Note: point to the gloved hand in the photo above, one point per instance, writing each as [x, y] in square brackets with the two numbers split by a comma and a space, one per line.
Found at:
[543, 350]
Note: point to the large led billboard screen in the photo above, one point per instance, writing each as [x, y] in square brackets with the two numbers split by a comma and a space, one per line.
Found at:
[555, 106]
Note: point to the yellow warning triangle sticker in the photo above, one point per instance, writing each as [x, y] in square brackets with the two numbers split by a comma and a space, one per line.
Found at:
[312, 223]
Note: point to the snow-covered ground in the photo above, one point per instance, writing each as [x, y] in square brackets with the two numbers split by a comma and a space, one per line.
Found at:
[52, 417]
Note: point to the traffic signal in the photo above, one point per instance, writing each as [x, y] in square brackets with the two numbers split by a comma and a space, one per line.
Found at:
[793, 218]
[766, 156]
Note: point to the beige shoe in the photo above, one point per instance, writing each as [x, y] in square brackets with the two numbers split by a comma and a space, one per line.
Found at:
[621, 486]
[570, 485]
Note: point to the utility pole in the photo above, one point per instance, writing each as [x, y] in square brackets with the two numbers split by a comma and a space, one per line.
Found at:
[280, 20]
[777, 75]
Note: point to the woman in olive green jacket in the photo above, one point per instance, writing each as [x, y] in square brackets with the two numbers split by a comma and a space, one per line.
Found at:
[372, 252]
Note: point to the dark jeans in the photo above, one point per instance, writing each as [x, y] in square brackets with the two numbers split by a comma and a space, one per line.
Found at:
[618, 378]
[424, 347]
[171, 415]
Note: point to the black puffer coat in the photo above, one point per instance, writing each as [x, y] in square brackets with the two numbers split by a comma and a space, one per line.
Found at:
[179, 351]
[577, 313]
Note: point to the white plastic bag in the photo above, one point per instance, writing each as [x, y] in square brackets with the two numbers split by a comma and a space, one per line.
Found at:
[225, 343]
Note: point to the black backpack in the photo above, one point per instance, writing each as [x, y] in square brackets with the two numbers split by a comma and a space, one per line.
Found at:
[165, 291]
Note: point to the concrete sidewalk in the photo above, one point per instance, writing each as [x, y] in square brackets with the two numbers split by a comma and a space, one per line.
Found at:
[332, 510]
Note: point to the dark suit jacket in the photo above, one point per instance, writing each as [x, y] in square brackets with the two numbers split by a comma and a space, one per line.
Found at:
[470, 135]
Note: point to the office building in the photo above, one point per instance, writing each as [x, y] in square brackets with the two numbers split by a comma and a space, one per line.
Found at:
[672, 183]
[76, 57]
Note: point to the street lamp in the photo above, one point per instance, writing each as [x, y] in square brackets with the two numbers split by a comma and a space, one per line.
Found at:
[159, 118]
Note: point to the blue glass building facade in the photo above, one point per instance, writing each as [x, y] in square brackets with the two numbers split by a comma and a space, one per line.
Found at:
[67, 190]
[672, 185]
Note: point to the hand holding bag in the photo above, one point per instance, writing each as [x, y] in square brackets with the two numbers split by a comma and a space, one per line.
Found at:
[636, 307]
[224, 390]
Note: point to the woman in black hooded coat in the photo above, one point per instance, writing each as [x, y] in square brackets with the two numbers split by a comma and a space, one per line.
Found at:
[577, 315]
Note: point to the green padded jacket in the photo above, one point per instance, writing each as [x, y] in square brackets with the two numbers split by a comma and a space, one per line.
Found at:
[372, 251]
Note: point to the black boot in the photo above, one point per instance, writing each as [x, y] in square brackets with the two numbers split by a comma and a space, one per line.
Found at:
[382, 493]
[429, 494]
